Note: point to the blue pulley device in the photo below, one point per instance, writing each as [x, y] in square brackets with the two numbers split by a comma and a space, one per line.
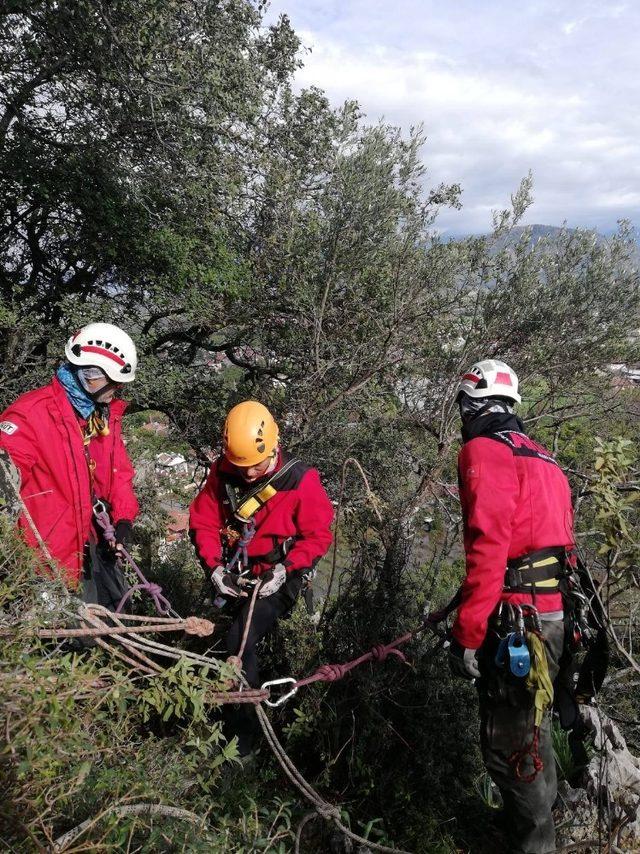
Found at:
[515, 647]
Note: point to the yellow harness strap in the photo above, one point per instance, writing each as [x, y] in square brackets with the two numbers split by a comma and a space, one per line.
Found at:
[250, 507]
[538, 679]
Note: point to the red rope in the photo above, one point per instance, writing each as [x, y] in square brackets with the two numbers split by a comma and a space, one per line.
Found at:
[518, 758]
[333, 672]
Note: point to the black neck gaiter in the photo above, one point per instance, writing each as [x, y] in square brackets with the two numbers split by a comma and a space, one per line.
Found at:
[490, 422]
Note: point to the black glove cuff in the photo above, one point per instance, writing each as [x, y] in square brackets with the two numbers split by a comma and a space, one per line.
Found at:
[123, 530]
[455, 649]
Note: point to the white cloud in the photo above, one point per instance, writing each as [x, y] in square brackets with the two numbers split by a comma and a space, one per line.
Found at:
[500, 88]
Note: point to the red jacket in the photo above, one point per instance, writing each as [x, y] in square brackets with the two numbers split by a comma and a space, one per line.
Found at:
[300, 509]
[41, 432]
[515, 500]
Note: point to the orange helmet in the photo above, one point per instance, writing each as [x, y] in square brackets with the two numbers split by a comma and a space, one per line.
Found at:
[250, 434]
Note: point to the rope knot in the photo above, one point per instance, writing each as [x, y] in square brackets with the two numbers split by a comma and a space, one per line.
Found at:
[379, 652]
[198, 626]
[332, 672]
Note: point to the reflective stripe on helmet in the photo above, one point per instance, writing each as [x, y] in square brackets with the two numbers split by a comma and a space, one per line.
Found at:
[88, 348]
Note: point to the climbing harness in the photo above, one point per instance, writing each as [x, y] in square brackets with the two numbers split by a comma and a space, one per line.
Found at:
[536, 573]
[244, 512]
[246, 508]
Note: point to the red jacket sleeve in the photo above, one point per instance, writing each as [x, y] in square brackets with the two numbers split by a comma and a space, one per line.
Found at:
[314, 516]
[18, 440]
[205, 521]
[124, 504]
[489, 490]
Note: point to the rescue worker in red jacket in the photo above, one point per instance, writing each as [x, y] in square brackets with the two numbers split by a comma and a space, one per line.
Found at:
[65, 441]
[271, 513]
[518, 536]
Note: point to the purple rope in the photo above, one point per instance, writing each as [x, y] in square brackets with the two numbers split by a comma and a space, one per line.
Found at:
[241, 549]
[163, 606]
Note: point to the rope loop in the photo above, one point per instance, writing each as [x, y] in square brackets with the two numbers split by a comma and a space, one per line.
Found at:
[518, 758]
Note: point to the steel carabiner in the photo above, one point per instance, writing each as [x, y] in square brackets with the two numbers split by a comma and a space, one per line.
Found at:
[287, 679]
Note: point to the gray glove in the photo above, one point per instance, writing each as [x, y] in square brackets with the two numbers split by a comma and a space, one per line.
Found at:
[226, 583]
[463, 662]
[273, 580]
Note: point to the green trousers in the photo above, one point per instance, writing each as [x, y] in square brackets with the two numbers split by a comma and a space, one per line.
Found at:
[506, 726]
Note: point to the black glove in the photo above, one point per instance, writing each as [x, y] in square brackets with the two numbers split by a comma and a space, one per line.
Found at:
[123, 530]
[463, 662]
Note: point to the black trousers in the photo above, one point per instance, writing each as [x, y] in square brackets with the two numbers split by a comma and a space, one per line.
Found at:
[506, 721]
[103, 581]
[241, 719]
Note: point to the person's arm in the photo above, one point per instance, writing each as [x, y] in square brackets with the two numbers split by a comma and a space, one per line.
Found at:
[314, 515]
[18, 439]
[205, 522]
[489, 489]
[124, 504]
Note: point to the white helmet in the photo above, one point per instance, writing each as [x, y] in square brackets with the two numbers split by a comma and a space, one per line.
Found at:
[105, 346]
[490, 378]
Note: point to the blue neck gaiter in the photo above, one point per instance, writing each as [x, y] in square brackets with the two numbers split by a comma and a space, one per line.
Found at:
[78, 397]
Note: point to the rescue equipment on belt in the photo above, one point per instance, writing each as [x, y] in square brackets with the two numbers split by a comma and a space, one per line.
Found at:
[514, 650]
[538, 682]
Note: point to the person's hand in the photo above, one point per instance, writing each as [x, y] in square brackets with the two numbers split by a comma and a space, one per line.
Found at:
[463, 662]
[435, 617]
[273, 580]
[226, 583]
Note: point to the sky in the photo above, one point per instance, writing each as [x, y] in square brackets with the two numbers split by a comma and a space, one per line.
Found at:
[501, 88]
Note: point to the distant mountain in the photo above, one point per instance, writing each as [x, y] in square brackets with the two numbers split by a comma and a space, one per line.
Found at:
[550, 231]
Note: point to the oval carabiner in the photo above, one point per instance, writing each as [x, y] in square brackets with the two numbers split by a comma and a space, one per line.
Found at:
[287, 679]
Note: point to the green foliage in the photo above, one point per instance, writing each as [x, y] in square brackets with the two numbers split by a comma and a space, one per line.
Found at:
[159, 169]
[81, 736]
[615, 507]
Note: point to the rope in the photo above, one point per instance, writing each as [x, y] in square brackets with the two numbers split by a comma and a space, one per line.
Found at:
[32, 524]
[62, 842]
[162, 604]
[247, 624]
[519, 757]
[379, 652]
[326, 810]
[192, 626]
[247, 535]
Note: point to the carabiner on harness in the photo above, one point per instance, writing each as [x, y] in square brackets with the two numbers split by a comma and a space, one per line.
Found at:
[99, 507]
[287, 679]
[514, 648]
